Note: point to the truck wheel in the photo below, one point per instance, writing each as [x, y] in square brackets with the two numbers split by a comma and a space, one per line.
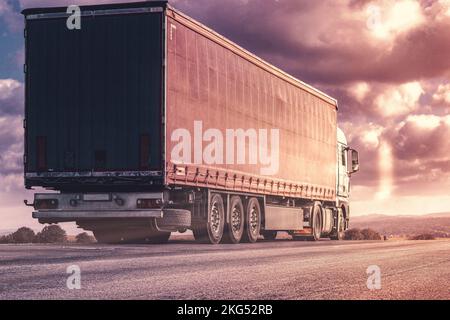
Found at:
[340, 229]
[316, 225]
[316, 222]
[269, 235]
[212, 231]
[252, 221]
[235, 225]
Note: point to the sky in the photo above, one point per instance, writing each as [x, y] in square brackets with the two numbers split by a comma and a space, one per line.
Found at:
[387, 62]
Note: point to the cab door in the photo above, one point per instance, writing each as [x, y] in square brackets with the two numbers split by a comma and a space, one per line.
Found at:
[343, 176]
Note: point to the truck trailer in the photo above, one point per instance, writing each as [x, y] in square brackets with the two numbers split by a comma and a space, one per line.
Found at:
[142, 121]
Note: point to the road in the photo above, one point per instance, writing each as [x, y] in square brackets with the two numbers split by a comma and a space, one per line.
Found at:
[266, 270]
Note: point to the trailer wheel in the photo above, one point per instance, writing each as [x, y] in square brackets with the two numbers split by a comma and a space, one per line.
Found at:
[252, 221]
[269, 235]
[235, 225]
[212, 230]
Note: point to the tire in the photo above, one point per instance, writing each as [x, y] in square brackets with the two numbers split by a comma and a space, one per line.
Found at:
[340, 230]
[234, 228]
[252, 221]
[269, 235]
[316, 222]
[212, 231]
[316, 225]
[174, 219]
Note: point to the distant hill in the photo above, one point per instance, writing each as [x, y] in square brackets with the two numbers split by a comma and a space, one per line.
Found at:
[437, 224]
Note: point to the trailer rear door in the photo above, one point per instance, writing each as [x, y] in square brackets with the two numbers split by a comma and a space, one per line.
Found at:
[94, 95]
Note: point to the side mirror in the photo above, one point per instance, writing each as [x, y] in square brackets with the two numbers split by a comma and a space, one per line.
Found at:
[355, 161]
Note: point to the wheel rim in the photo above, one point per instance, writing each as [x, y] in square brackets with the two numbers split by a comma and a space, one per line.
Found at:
[236, 219]
[215, 219]
[253, 220]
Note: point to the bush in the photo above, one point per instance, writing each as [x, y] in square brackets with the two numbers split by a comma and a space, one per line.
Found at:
[51, 234]
[6, 239]
[365, 234]
[23, 235]
[425, 236]
[353, 234]
[370, 234]
[84, 238]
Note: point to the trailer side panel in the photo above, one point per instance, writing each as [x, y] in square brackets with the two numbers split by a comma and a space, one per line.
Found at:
[210, 86]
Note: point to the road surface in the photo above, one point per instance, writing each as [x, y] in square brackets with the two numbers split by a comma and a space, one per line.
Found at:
[266, 270]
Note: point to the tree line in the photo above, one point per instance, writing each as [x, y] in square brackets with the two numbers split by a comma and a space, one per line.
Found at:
[49, 234]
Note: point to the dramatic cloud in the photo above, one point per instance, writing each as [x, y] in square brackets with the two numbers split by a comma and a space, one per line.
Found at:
[331, 42]
[422, 137]
[401, 100]
[62, 3]
[386, 61]
[442, 94]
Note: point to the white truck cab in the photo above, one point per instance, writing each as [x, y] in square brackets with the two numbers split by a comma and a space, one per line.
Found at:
[347, 164]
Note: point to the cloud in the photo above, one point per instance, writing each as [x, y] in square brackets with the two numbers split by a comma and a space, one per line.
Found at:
[442, 94]
[19, 57]
[62, 3]
[329, 42]
[11, 16]
[388, 20]
[399, 100]
[11, 144]
[408, 157]
[388, 67]
[11, 97]
[359, 90]
[422, 137]
[11, 129]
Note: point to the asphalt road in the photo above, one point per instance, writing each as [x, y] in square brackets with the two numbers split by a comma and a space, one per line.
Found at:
[266, 270]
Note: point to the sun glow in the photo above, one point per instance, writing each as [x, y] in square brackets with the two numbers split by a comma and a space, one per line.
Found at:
[385, 169]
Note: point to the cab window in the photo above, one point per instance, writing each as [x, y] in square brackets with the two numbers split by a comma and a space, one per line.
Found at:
[343, 156]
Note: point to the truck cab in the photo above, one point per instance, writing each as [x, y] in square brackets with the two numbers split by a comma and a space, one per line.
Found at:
[347, 164]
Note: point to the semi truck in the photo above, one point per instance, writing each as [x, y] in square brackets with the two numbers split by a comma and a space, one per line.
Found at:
[140, 121]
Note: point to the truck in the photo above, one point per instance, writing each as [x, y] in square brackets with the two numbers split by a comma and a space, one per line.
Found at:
[140, 121]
